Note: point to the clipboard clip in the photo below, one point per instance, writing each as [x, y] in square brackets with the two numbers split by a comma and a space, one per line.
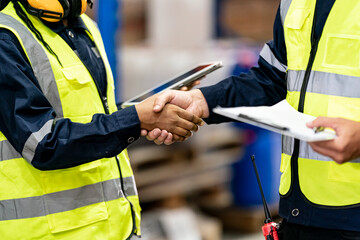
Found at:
[319, 129]
[262, 123]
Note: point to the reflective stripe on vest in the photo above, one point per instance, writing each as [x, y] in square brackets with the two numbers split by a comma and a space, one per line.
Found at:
[39, 61]
[305, 150]
[335, 83]
[332, 91]
[284, 7]
[8, 152]
[34, 207]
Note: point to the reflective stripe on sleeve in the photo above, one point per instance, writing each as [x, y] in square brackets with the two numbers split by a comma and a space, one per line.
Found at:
[63, 201]
[32, 142]
[269, 57]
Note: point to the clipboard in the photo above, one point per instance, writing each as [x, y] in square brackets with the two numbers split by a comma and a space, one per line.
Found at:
[281, 118]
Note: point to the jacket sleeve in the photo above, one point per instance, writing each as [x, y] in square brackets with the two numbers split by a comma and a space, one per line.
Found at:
[27, 119]
[263, 85]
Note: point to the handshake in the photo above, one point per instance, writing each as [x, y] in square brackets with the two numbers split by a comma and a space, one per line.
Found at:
[172, 115]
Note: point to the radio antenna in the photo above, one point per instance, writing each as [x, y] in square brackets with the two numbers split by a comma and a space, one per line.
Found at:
[266, 209]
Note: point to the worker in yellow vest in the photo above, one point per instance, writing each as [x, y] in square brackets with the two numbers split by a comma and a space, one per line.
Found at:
[64, 169]
[314, 63]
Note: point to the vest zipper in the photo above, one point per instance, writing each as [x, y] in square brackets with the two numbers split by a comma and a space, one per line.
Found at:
[107, 111]
[105, 104]
[314, 47]
[295, 155]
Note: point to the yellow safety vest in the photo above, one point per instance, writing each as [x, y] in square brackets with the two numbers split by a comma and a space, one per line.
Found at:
[95, 200]
[332, 90]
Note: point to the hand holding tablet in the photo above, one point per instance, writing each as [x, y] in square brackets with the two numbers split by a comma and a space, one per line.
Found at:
[176, 83]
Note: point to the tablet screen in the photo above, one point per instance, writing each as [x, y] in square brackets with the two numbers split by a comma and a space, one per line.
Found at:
[177, 82]
[169, 83]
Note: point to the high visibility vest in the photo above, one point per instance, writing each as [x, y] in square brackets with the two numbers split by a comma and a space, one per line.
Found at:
[96, 200]
[322, 81]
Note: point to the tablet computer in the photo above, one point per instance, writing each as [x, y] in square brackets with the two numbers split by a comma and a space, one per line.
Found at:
[176, 83]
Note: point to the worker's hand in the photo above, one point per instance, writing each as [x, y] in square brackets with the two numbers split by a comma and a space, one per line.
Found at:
[158, 136]
[192, 101]
[346, 146]
[172, 118]
[189, 87]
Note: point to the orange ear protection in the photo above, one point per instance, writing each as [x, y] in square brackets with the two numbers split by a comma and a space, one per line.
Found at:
[56, 10]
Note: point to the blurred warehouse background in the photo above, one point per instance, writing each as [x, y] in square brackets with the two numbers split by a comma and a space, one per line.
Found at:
[204, 188]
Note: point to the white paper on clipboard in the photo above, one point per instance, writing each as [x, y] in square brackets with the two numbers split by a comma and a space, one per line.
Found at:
[281, 118]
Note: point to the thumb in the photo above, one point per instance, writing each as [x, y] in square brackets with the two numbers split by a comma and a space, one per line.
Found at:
[321, 122]
[162, 99]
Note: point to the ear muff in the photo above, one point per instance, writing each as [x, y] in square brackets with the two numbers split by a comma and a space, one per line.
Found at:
[55, 10]
[49, 10]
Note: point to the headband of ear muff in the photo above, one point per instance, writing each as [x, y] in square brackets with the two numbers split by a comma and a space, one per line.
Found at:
[77, 7]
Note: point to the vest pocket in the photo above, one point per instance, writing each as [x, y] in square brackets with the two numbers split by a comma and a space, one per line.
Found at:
[297, 18]
[74, 197]
[297, 28]
[76, 86]
[76, 74]
[342, 51]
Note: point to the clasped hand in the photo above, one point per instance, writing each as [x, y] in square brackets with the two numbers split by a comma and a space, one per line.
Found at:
[192, 101]
[173, 122]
